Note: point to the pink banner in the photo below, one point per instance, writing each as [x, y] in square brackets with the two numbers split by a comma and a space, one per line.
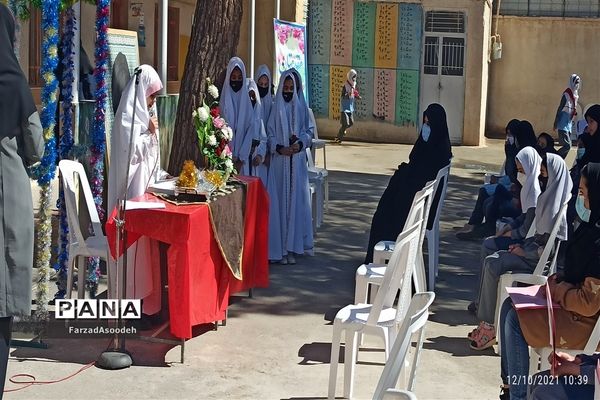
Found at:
[342, 17]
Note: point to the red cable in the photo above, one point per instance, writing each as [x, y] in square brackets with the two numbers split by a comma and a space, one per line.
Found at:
[33, 381]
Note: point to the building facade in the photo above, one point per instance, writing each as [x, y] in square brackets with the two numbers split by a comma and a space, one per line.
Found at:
[407, 55]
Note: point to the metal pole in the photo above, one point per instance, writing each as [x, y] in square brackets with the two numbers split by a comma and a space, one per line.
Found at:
[164, 22]
[252, 25]
[275, 74]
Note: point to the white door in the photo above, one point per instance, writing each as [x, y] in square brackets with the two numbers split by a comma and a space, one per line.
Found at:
[443, 67]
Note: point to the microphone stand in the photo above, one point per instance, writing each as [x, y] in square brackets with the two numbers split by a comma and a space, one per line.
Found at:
[119, 357]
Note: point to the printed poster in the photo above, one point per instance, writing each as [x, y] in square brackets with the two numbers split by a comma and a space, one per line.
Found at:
[290, 50]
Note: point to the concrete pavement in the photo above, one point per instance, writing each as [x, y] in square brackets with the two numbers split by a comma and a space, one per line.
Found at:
[277, 344]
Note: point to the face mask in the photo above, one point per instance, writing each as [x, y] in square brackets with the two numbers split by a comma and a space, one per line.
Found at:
[287, 96]
[253, 101]
[583, 212]
[235, 85]
[580, 152]
[425, 132]
[543, 182]
[522, 178]
[263, 91]
[510, 140]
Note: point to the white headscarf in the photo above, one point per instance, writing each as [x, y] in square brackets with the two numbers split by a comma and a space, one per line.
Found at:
[279, 121]
[531, 161]
[236, 107]
[303, 108]
[257, 109]
[149, 83]
[255, 131]
[571, 103]
[267, 101]
[574, 84]
[557, 191]
[350, 83]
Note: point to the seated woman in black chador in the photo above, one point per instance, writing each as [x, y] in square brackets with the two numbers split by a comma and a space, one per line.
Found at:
[431, 152]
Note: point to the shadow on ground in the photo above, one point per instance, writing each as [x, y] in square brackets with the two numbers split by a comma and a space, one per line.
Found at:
[325, 282]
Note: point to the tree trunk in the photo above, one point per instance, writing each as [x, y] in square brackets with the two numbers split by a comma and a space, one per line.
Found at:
[214, 40]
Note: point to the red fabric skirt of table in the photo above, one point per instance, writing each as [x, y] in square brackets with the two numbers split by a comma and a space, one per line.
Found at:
[199, 280]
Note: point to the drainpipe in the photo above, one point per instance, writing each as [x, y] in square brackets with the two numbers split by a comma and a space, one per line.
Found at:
[252, 25]
[164, 22]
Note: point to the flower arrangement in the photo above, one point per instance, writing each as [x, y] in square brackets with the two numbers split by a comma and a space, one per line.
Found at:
[214, 135]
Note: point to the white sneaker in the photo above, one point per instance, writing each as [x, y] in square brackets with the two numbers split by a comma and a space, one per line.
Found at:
[291, 259]
[284, 261]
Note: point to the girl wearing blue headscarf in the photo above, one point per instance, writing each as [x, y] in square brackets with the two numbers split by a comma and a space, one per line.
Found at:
[236, 108]
[253, 147]
[265, 84]
[289, 131]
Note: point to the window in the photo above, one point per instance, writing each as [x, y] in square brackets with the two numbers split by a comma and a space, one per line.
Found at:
[430, 62]
[453, 56]
[445, 22]
[550, 8]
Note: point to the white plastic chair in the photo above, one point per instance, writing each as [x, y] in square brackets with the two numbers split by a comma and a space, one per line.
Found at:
[433, 234]
[414, 323]
[380, 318]
[319, 178]
[395, 394]
[372, 274]
[80, 248]
[542, 269]
[319, 144]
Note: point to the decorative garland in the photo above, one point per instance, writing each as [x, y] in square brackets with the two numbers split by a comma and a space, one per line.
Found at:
[98, 144]
[46, 170]
[65, 144]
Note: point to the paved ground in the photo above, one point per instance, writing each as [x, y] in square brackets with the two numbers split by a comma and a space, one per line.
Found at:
[277, 344]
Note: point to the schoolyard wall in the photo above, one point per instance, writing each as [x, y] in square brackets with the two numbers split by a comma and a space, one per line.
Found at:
[539, 55]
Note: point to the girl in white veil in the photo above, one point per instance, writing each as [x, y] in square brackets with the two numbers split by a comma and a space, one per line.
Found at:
[265, 83]
[143, 272]
[290, 228]
[254, 147]
[235, 107]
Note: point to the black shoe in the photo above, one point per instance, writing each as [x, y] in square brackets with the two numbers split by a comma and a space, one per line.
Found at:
[504, 393]
[472, 308]
[480, 232]
[472, 235]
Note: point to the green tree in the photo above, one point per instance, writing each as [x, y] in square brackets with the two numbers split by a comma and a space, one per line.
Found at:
[214, 39]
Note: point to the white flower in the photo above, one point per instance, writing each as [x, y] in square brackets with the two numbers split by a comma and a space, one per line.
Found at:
[203, 114]
[212, 140]
[229, 164]
[227, 132]
[213, 91]
[194, 113]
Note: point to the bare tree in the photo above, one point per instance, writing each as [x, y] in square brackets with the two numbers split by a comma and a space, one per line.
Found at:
[214, 40]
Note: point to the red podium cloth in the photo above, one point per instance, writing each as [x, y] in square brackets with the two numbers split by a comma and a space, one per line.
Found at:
[200, 282]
